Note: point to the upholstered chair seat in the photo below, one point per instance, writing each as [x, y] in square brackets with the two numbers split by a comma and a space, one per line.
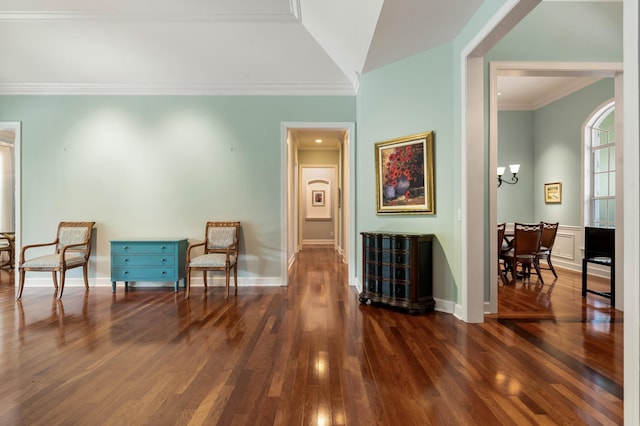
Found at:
[54, 260]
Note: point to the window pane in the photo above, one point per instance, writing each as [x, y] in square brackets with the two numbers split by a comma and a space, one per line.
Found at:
[612, 158]
[601, 160]
[599, 210]
[612, 184]
[598, 137]
[612, 212]
[601, 185]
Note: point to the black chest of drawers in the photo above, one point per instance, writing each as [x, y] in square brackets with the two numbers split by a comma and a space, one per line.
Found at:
[397, 270]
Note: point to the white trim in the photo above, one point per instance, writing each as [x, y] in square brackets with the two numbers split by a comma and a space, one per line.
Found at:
[144, 16]
[301, 88]
[631, 211]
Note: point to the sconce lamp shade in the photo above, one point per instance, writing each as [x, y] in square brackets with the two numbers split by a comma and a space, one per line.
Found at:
[514, 168]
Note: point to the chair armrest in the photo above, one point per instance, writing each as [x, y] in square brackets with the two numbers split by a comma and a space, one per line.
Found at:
[30, 246]
[192, 246]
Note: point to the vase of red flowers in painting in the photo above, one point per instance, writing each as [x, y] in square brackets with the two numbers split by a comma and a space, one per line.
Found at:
[402, 170]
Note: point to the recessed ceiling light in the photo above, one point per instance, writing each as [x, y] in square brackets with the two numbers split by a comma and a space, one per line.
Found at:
[318, 140]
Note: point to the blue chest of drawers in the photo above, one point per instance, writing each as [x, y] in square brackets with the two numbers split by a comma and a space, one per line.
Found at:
[148, 260]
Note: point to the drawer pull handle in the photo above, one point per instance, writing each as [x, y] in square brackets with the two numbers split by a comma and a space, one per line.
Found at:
[164, 260]
[126, 260]
[126, 247]
[126, 272]
[164, 247]
[164, 273]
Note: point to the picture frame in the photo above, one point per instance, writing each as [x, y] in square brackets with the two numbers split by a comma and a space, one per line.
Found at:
[553, 193]
[317, 197]
[405, 176]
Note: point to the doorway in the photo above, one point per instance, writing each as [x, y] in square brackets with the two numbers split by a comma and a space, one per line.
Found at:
[296, 138]
[10, 187]
[551, 69]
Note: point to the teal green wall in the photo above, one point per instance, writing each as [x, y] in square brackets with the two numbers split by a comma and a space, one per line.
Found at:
[516, 145]
[408, 97]
[161, 166]
[565, 32]
[548, 144]
[558, 151]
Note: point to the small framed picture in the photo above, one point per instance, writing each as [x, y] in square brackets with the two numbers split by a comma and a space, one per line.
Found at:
[553, 193]
[317, 198]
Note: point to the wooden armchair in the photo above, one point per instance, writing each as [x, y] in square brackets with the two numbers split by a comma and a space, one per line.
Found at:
[72, 250]
[220, 253]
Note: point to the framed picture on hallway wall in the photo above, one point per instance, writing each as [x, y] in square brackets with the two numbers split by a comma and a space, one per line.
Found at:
[317, 197]
[553, 193]
[404, 175]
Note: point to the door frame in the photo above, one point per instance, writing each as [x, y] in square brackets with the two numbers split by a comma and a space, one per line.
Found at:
[289, 194]
[16, 126]
[551, 69]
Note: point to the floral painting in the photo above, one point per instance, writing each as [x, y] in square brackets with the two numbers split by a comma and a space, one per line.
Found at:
[404, 174]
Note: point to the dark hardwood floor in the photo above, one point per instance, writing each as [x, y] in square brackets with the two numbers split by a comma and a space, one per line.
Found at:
[308, 354]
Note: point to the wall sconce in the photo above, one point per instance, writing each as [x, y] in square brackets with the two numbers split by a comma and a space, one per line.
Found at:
[514, 170]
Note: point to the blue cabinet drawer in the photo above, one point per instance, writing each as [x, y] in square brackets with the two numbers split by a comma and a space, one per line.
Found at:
[142, 247]
[142, 260]
[144, 274]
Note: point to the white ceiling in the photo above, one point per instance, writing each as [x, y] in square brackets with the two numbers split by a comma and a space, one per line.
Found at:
[533, 92]
[213, 46]
[203, 47]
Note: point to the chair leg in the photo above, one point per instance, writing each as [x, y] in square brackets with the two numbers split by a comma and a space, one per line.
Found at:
[55, 280]
[204, 278]
[21, 286]
[553, 270]
[537, 268]
[226, 271]
[86, 278]
[187, 283]
[62, 277]
[235, 277]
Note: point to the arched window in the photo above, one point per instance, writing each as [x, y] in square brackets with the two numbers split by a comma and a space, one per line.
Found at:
[600, 168]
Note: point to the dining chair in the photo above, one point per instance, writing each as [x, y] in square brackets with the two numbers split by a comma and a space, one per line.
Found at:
[526, 245]
[220, 247]
[501, 271]
[547, 238]
[72, 250]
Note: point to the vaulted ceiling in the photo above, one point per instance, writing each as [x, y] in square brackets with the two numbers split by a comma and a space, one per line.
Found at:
[214, 46]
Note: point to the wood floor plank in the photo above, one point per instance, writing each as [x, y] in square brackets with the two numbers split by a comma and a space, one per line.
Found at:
[309, 353]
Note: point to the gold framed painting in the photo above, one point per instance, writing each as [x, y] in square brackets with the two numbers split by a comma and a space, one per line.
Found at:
[553, 193]
[404, 175]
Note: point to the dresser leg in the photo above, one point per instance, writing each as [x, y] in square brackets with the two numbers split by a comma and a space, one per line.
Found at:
[113, 286]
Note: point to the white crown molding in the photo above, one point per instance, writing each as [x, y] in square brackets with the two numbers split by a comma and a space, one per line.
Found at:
[296, 10]
[146, 16]
[236, 89]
